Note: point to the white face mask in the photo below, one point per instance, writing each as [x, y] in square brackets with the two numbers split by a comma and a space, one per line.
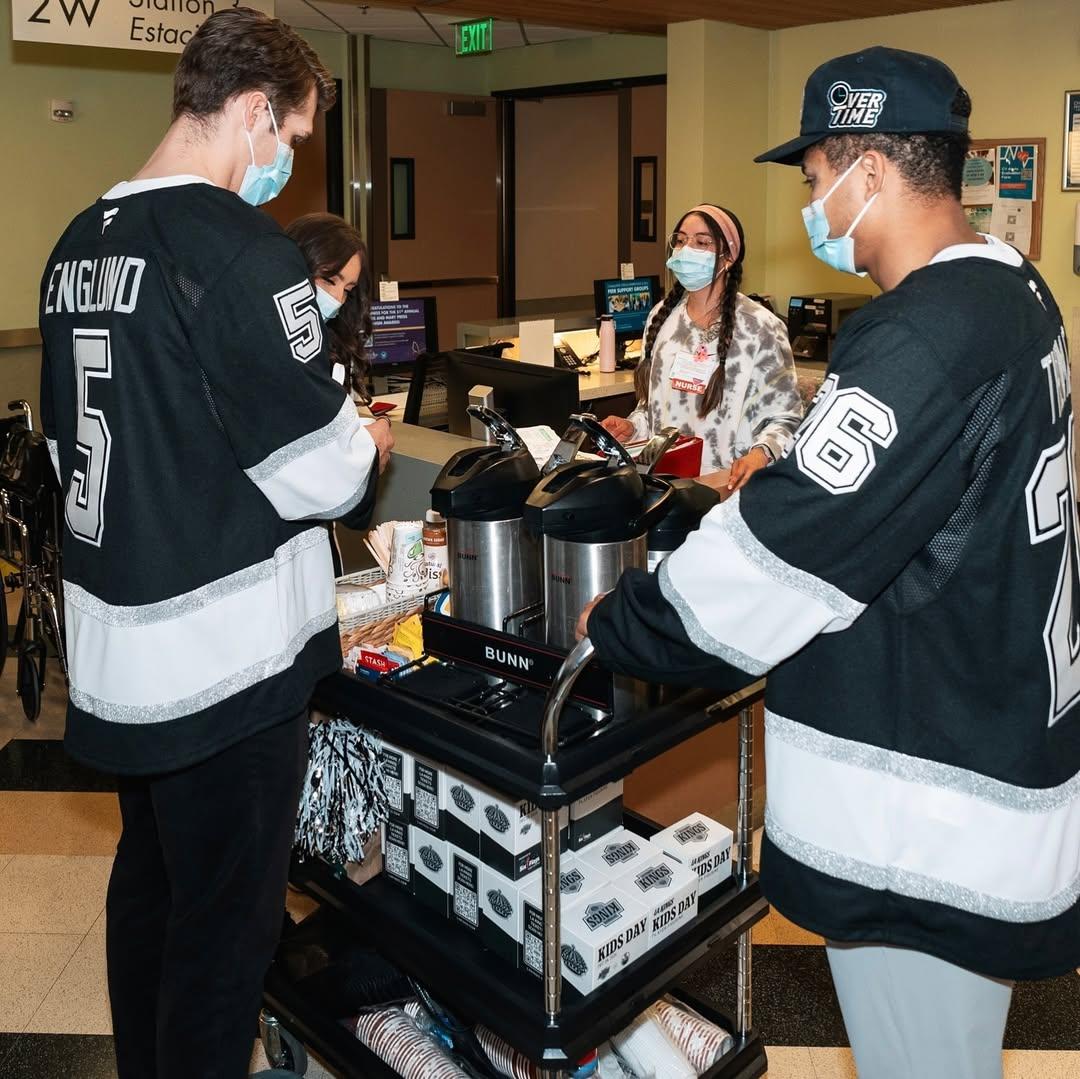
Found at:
[838, 253]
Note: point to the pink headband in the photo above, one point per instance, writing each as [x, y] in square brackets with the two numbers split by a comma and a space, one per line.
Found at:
[727, 227]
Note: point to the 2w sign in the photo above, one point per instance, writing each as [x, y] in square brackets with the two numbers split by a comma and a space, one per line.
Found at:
[144, 25]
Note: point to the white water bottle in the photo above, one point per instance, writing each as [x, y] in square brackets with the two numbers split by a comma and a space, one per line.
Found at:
[607, 343]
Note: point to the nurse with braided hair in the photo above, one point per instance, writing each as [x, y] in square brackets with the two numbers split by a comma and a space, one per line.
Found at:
[713, 362]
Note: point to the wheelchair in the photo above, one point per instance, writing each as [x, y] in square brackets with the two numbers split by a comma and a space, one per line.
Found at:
[30, 523]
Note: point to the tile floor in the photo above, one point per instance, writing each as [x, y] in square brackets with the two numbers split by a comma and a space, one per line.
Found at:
[56, 843]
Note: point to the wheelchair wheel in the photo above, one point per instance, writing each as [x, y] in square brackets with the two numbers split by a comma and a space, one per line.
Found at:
[28, 685]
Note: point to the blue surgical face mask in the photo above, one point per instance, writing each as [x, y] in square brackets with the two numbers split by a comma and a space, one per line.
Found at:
[693, 269]
[838, 253]
[262, 183]
[328, 306]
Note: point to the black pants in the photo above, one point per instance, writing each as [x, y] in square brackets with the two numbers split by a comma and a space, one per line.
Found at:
[196, 904]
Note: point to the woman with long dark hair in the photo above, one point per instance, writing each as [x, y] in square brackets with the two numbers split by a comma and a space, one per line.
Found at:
[713, 362]
[338, 263]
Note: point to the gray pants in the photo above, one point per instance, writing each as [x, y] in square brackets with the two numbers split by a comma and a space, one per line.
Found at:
[910, 1015]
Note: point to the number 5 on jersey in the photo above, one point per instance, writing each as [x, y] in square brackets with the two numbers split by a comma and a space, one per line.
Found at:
[85, 504]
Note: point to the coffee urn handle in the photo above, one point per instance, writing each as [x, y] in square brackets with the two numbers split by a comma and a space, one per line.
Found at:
[660, 506]
[505, 435]
[606, 442]
[653, 450]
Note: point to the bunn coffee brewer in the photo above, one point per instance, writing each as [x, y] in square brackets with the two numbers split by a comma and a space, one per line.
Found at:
[594, 517]
[494, 559]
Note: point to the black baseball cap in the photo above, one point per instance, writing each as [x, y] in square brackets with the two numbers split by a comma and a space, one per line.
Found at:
[874, 90]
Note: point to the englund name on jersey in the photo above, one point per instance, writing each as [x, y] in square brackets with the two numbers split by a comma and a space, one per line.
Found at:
[88, 286]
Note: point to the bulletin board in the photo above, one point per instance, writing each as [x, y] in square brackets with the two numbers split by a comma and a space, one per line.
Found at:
[1002, 190]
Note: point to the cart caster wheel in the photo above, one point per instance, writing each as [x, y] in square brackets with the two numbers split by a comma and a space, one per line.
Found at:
[28, 686]
[289, 1056]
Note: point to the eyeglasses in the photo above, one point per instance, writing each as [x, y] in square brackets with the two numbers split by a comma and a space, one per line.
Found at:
[699, 241]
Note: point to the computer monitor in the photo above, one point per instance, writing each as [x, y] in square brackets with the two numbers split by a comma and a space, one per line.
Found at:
[400, 331]
[526, 394]
[628, 303]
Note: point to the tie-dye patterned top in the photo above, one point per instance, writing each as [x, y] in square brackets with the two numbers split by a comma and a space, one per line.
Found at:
[761, 405]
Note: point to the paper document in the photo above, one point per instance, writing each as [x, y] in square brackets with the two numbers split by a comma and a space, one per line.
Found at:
[541, 442]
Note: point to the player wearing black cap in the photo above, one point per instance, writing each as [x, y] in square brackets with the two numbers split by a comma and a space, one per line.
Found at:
[908, 578]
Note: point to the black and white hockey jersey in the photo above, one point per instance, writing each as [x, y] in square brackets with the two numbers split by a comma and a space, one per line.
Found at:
[200, 441]
[907, 575]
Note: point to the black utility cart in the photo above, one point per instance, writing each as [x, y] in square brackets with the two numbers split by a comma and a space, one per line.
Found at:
[552, 764]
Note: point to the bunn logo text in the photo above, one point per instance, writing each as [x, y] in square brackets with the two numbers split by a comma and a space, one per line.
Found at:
[854, 108]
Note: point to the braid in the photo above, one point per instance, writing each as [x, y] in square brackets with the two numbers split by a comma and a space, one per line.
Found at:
[643, 374]
[714, 392]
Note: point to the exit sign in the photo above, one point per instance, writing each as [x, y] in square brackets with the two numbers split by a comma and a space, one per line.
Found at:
[474, 38]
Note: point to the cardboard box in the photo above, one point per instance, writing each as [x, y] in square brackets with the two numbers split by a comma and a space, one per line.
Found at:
[397, 767]
[397, 854]
[599, 812]
[429, 796]
[701, 844]
[510, 834]
[462, 812]
[576, 882]
[431, 870]
[464, 888]
[617, 853]
[500, 912]
[601, 936]
[668, 889]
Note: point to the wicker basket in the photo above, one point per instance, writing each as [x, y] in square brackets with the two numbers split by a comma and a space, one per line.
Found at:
[374, 628]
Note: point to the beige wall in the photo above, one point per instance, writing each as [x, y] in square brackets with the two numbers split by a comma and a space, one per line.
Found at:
[648, 132]
[400, 65]
[123, 101]
[1009, 101]
[717, 113]
[567, 192]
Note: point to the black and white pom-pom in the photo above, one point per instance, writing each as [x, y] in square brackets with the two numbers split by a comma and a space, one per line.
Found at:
[344, 798]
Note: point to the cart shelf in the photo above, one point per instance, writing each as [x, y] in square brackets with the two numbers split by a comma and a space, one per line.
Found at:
[515, 765]
[457, 969]
[348, 1055]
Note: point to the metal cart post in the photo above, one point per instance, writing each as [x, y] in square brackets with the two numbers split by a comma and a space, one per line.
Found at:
[745, 841]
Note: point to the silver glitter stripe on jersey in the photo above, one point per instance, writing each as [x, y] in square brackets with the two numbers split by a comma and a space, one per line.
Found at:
[166, 610]
[339, 511]
[137, 714]
[54, 453]
[919, 770]
[916, 885]
[776, 569]
[701, 636]
[272, 465]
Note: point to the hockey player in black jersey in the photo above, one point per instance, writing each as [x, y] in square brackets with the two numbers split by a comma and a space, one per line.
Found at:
[202, 446]
[907, 578]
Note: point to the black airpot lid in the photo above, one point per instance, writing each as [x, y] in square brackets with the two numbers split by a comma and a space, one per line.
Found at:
[588, 502]
[485, 483]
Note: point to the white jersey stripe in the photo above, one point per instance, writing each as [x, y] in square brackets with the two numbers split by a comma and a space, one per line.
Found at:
[888, 820]
[315, 476]
[161, 661]
[722, 578]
